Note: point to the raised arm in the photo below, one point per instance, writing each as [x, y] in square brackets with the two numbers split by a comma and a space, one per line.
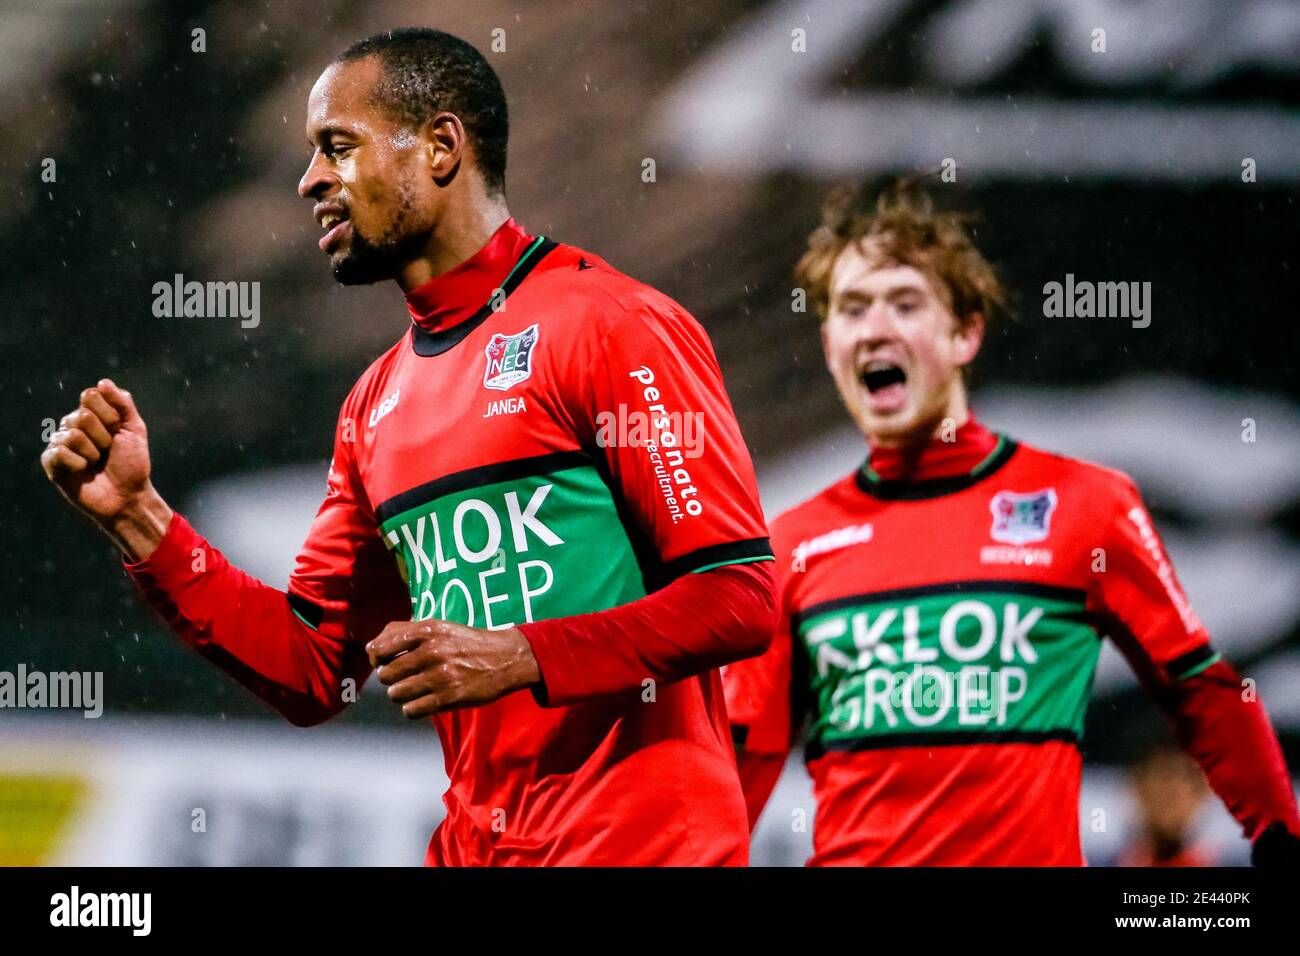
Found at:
[300, 651]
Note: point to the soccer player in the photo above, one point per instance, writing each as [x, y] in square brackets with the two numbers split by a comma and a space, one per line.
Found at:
[541, 527]
[942, 607]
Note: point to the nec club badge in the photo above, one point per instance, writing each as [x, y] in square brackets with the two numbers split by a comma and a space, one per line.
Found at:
[1022, 518]
[510, 358]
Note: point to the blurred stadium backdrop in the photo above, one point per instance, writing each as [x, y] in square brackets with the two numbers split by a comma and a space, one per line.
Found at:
[1127, 165]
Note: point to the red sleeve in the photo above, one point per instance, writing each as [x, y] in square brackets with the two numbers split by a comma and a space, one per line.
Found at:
[698, 622]
[345, 583]
[292, 650]
[648, 394]
[759, 695]
[759, 774]
[1218, 720]
[1229, 734]
[1134, 583]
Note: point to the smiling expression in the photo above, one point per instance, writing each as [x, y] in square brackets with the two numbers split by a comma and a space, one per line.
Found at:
[368, 176]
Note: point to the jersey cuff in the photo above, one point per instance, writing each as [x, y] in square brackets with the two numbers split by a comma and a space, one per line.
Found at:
[718, 555]
[1192, 663]
[173, 556]
[306, 611]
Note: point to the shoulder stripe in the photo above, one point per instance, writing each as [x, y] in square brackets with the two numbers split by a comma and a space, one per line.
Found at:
[1192, 663]
[715, 556]
[309, 613]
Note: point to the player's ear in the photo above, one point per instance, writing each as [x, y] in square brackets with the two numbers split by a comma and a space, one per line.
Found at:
[826, 346]
[444, 145]
[968, 338]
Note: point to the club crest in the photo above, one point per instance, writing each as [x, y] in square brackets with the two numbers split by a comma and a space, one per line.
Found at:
[510, 358]
[1022, 518]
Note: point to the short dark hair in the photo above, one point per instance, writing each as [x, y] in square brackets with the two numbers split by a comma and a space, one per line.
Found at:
[426, 71]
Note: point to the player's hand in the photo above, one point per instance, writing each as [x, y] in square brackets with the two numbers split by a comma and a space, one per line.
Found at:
[99, 460]
[431, 666]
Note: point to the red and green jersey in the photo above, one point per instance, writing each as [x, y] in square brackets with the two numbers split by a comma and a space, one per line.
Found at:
[941, 636]
[565, 449]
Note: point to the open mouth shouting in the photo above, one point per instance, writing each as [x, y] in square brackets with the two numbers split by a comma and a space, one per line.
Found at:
[885, 382]
[333, 218]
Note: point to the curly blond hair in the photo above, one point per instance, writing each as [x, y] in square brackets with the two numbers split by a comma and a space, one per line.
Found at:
[902, 228]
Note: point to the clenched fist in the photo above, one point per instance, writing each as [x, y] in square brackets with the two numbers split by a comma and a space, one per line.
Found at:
[99, 460]
[431, 666]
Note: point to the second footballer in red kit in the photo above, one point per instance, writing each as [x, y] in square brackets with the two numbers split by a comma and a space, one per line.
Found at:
[943, 606]
[540, 527]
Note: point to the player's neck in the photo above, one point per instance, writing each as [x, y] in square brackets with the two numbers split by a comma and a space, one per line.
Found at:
[457, 294]
[945, 450]
[462, 230]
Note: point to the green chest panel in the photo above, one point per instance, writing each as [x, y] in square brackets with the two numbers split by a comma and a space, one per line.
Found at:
[951, 662]
[509, 552]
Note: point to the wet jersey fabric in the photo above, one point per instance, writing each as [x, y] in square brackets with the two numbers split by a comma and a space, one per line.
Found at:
[565, 449]
[549, 446]
[941, 636]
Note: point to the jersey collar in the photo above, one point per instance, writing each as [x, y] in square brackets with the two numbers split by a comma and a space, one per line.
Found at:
[449, 306]
[938, 468]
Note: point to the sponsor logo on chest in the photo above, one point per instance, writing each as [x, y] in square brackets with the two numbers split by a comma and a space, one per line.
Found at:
[830, 541]
[918, 680]
[951, 659]
[510, 358]
[461, 560]
[384, 407]
[1020, 519]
